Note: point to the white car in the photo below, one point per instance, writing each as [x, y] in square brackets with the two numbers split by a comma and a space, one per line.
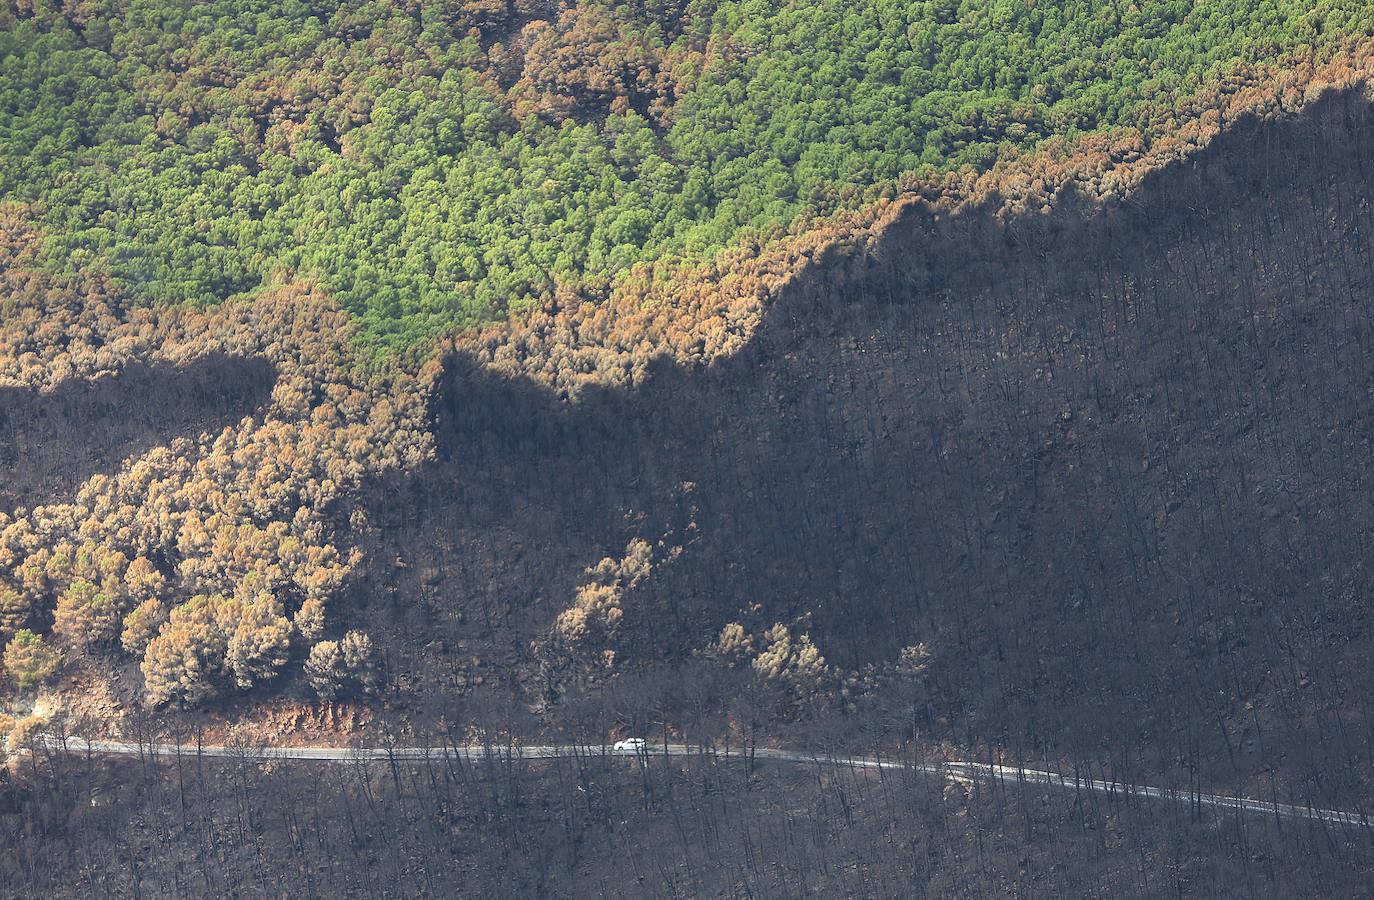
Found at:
[629, 745]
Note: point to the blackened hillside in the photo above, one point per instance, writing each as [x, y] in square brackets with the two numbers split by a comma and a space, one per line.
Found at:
[51, 441]
[1110, 465]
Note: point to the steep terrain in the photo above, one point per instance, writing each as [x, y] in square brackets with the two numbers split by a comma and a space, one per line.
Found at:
[1101, 459]
[1107, 463]
[922, 381]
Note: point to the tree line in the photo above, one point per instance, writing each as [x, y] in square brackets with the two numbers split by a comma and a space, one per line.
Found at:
[441, 165]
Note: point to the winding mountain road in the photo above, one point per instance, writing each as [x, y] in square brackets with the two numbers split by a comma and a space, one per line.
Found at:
[960, 771]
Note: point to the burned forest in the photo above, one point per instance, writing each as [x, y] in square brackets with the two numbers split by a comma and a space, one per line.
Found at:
[1059, 461]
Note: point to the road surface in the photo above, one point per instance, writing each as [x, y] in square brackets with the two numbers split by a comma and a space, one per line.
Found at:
[961, 771]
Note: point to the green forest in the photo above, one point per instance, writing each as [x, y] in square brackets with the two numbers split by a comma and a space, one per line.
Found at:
[440, 165]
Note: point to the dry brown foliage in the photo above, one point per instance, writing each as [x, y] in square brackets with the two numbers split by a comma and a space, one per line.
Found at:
[242, 516]
[585, 64]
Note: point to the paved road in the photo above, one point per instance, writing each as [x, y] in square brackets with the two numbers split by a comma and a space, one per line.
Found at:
[966, 772]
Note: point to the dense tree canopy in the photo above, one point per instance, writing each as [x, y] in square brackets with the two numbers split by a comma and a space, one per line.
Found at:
[438, 164]
[212, 559]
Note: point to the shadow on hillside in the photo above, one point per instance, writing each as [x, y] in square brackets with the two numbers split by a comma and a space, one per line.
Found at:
[1111, 466]
[52, 442]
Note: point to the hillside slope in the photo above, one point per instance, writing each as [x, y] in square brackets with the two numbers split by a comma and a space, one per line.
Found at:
[1079, 479]
[1107, 463]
